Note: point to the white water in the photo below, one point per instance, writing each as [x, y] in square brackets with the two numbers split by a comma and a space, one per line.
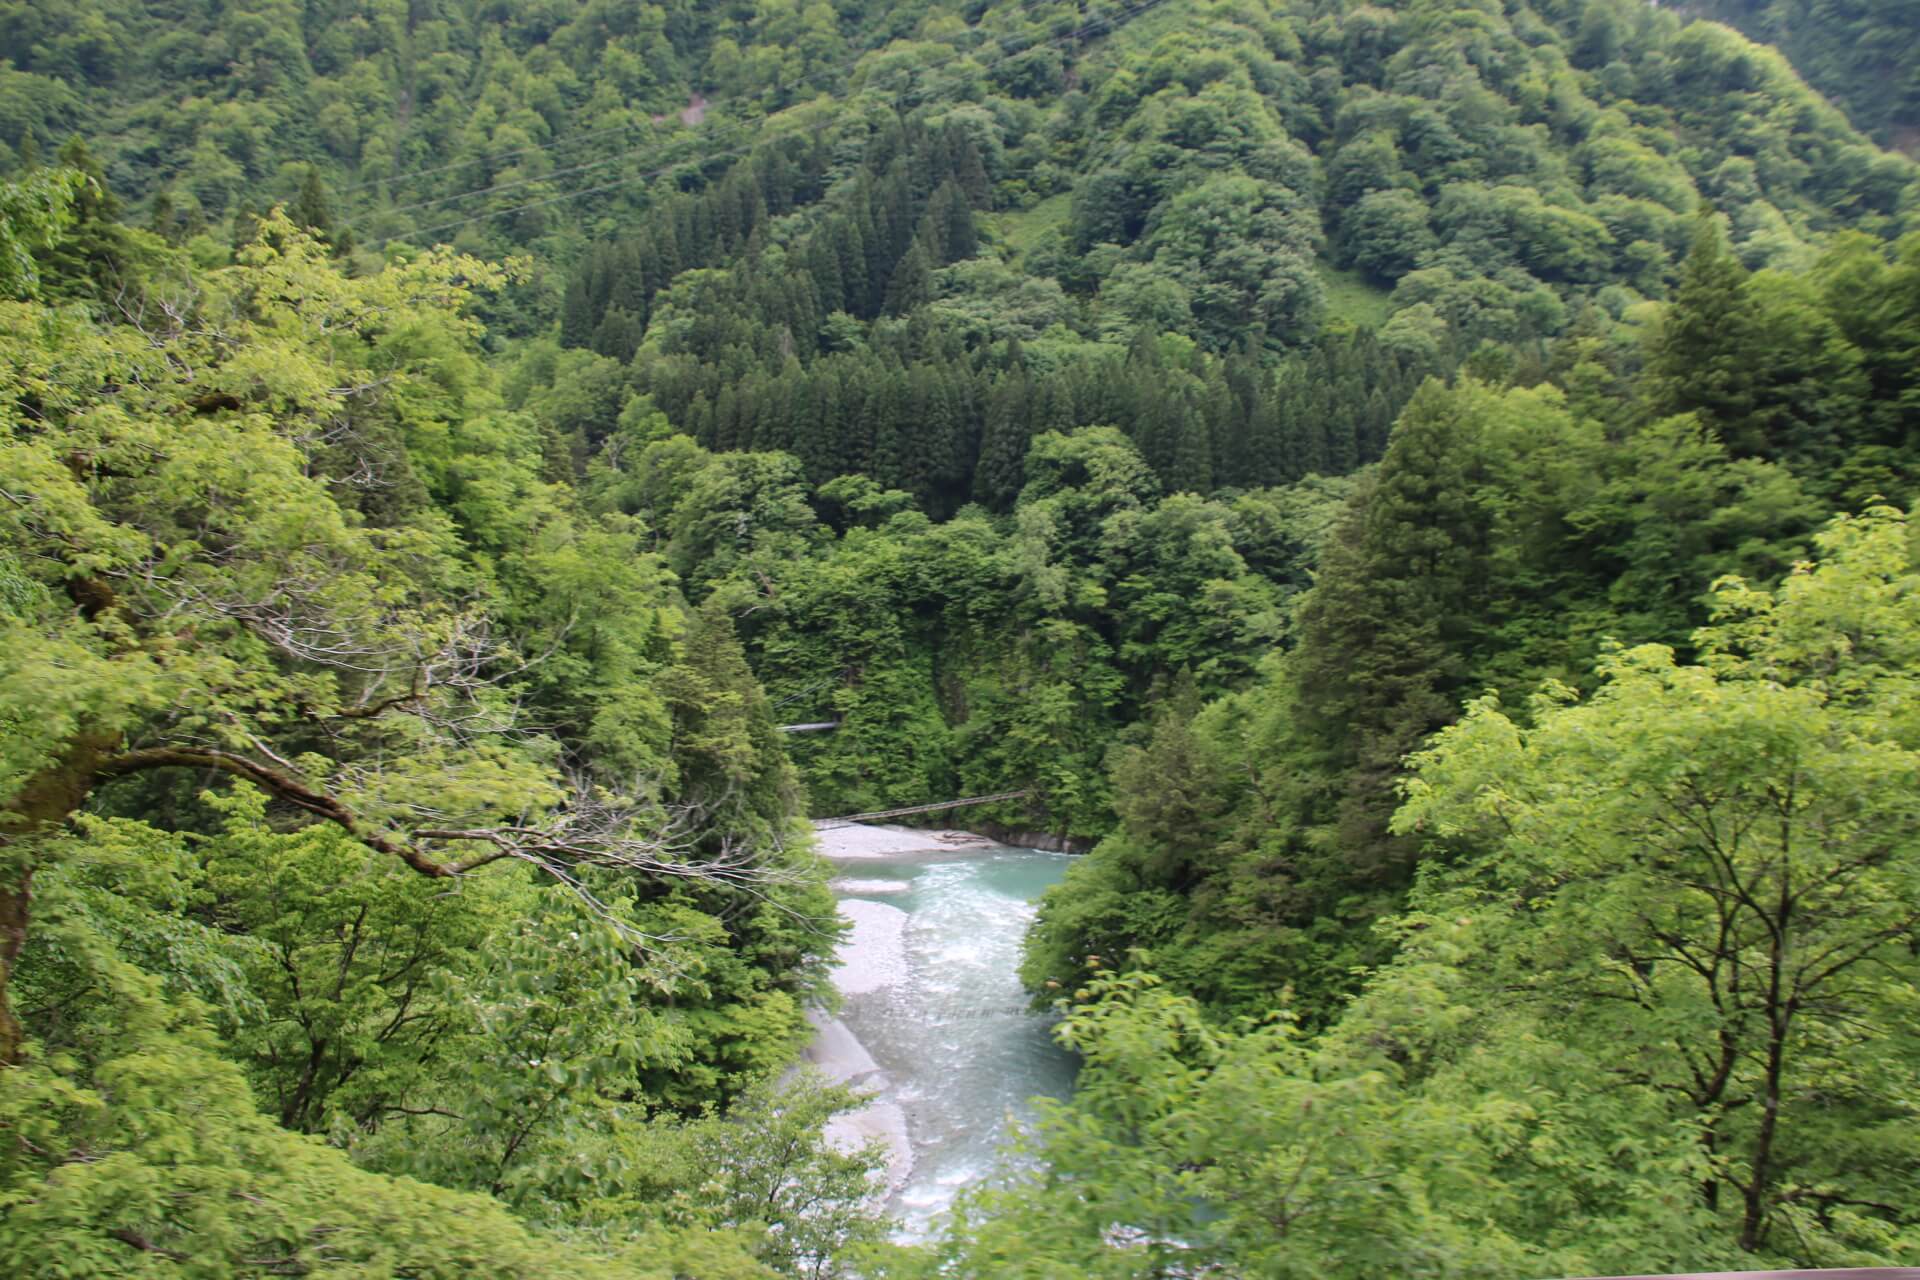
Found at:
[933, 996]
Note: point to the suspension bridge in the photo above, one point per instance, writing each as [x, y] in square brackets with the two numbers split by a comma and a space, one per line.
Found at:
[883, 815]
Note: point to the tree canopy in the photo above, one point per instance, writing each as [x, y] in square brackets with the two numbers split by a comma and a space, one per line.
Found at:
[1413, 491]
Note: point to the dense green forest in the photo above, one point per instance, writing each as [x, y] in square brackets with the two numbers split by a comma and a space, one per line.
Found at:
[379, 841]
[1417, 489]
[1860, 53]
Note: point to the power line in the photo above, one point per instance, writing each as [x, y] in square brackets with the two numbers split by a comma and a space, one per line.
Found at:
[522, 182]
[851, 818]
[595, 164]
[566, 141]
[580, 137]
[570, 195]
[1108, 23]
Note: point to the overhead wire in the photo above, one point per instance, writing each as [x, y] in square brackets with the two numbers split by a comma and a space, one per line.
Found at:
[522, 182]
[1108, 22]
[565, 140]
[564, 196]
[570, 139]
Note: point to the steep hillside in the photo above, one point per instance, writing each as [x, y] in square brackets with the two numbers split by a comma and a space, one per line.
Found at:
[1417, 487]
[1863, 54]
[904, 242]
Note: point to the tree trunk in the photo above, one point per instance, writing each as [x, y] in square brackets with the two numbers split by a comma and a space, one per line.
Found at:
[1780, 1012]
[15, 899]
[1754, 1220]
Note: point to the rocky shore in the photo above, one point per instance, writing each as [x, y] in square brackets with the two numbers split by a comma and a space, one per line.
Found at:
[872, 957]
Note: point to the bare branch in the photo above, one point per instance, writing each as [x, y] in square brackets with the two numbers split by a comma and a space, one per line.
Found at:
[279, 784]
[591, 830]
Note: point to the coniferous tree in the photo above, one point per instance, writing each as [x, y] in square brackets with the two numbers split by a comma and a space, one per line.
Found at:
[1003, 445]
[726, 421]
[970, 174]
[163, 221]
[1698, 362]
[310, 208]
[850, 264]
[961, 237]
[618, 335]
[1267, 460]
[626, 285]
[1190, 466]
[1387, 632]
[890, 464]
[879, 252]
[1756, 359]
[246, 224]
[577, 320]
[912, 282]
[95, 254]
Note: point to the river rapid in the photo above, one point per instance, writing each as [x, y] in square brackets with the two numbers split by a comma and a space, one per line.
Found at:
[934, 1024]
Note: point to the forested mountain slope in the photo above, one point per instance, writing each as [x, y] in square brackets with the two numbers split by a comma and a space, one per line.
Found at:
[1242, 240]
[1863, 54]
[217, 97]
[905, 242]
[1179, 411]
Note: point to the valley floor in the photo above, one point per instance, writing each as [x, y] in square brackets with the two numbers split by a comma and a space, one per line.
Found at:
[925, 974]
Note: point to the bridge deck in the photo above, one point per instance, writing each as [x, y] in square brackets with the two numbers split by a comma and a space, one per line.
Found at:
[918, 808]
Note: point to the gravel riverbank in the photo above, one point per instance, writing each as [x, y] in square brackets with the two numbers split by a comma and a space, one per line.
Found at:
[872, 957]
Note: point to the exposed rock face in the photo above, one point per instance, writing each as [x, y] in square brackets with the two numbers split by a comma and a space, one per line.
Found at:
[1037, 839]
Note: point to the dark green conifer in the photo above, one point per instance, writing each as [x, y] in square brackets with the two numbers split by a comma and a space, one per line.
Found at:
[618, 335]
[1386, 635]
[311, 209]
[577, 322]
[1001, 471]
[912, 282]
[1759, 361]
[1696, 361]
[970, 173]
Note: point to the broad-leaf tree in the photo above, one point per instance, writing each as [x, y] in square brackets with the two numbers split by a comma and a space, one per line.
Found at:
[1705, 880]
[192, 585]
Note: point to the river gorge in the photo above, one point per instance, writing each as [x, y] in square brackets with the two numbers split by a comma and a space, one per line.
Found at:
[934, 1024]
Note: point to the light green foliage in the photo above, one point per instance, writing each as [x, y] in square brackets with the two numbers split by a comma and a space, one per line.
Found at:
[979, 656]
[136, 1148]
[230, 516]
[1705, 874]
[1387, 234]
[354, 960]
[383, 743]
[1024, 230]
[1254, 1151]
[1874, 297]
[1237, 245]
[1758, 359]
[739, 514]
[33, 211]
[1501, 539]
[555, 891]
[486, 1041]
[758, 1174]
[808, 1206]
[1860, 53]
[1648, 1012]
[1673, 512]
[1500, 169]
